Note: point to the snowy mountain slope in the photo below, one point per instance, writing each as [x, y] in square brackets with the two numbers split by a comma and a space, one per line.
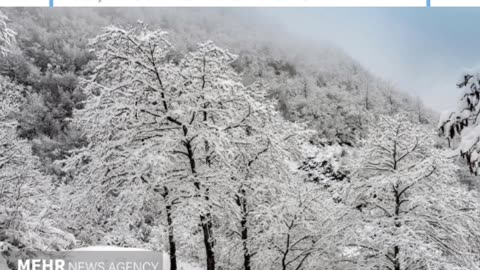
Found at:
[314, 82]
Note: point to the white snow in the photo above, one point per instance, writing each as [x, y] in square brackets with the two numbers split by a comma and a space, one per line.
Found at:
[444, 117]
[3, 263]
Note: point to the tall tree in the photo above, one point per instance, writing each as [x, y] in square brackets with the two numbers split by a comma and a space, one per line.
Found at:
[265, 146]
[160, 125]
[410, 212]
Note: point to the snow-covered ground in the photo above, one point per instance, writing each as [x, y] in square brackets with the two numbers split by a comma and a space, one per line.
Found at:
[3, 263]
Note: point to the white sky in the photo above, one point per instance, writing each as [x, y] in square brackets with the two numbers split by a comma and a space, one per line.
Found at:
[421, 50]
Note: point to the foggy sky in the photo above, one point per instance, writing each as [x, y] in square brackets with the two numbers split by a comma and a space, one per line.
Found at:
[421, 50]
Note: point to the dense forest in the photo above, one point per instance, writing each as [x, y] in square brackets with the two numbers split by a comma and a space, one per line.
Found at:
[209, 136]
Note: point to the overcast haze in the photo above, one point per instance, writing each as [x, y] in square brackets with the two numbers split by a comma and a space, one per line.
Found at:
[420, 50]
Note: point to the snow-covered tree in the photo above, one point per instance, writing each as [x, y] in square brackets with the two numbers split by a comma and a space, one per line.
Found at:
[131, 142]
[27, 197]
[300, 228]
[266, 146]
[326, 166]
[332, 114]
[462, 123]
[165, 128]
[7, 35]
[408, 211]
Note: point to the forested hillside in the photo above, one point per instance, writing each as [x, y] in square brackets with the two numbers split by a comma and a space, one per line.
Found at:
[320, 85]
[214, 137]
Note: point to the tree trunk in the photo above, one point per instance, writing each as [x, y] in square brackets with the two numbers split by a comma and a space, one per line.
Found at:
[242, 203]
[396, 249]
[396, 264]
[246, 253]
[205, 219]
[305, 89]
[171, 239]
[285, 254]
[208, 240]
